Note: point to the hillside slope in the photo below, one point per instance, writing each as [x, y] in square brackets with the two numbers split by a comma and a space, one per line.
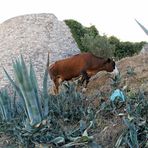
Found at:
[134, 77]
[133, 73]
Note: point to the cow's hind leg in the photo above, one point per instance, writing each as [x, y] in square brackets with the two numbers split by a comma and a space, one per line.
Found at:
[85, 77]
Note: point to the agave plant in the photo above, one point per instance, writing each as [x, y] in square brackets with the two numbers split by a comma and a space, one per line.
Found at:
[27, 88]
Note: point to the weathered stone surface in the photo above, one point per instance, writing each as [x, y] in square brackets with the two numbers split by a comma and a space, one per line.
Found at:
[33, 36]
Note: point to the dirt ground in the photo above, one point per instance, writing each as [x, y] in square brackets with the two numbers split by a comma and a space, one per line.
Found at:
[133, 73]
[134, 76]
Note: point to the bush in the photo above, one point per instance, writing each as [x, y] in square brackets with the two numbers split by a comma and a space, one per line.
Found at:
[98, 45]
[79, 31]
[89, 40]
[124, 49]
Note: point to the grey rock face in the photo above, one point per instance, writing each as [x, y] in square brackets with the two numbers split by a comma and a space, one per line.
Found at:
[34, 36]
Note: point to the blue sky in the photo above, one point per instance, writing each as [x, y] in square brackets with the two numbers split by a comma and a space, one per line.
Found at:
[111, 17]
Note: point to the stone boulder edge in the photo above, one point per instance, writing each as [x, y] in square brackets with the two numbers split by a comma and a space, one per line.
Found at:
[33, 36]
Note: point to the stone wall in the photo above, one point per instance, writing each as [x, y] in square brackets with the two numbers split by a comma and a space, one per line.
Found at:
[33, 36]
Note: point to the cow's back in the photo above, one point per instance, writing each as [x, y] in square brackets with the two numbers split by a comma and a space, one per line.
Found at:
[73, 66]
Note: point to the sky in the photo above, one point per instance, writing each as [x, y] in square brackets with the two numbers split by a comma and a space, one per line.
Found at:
[111, 17]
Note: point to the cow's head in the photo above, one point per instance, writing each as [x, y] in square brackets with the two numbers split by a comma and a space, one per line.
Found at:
[110, 66]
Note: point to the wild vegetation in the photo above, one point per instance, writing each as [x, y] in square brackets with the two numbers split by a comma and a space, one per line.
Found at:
[35, 119]
[89, 39]
[38, 119]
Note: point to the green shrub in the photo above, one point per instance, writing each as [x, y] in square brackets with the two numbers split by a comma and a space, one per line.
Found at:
[124, 49]
[98, 45]
[89, 40]
[79, 31]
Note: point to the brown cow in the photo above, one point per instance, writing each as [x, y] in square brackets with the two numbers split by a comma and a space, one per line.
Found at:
[83, 64]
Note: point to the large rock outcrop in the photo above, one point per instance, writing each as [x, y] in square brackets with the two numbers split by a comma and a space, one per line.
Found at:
[33, 36]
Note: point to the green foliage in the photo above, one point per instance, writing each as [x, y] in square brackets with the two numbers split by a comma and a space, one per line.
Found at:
[27, 88]
[130, 71]
[98, 45]
[91, 31]
[124, 49]
[89, 40]
[79, 31]
[136, 121]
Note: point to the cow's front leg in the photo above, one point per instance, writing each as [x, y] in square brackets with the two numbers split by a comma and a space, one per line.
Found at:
[57, 83]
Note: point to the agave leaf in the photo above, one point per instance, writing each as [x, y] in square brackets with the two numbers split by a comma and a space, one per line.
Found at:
[85, 132]
[35, 87]
[18, 90]
[74, 138]
[127, 123]
[133, 136]
[3, 112]
[71, 144]
[5, 105]
[130, 117]
[120, 139]
[82, 126]
[143, 28]
[17, 71]
[14, 85]
[27, 85]
[58, 140]
[45, 93]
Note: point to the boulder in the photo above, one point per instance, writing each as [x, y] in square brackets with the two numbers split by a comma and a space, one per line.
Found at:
[33, 36]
